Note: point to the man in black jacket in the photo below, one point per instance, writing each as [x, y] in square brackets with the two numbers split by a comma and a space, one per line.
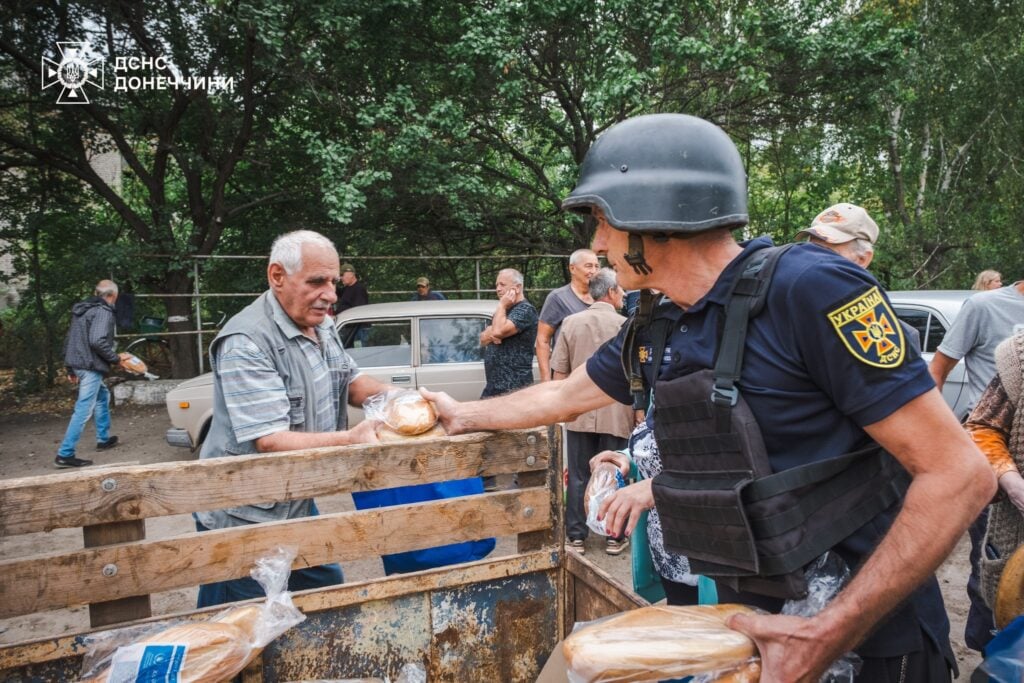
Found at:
[351, 292]
[88, 357]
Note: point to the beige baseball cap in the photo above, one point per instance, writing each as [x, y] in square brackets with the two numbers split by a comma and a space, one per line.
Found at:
[840, 224]
[422, 281]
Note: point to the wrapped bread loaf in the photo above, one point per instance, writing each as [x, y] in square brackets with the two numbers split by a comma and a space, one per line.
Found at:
[132, 363]
[409, 414]
[217, 651]
[656, 643]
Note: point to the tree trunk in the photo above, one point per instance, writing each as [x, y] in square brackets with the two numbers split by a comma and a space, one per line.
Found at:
[184, 357]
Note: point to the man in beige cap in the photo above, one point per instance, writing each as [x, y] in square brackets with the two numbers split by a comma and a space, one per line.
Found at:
[846, 229]
[424, 293]
[849, 231]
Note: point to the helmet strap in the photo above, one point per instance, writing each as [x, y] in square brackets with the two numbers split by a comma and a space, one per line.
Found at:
[635, 255]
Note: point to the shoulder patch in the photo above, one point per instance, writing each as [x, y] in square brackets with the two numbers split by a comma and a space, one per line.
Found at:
[870, 330]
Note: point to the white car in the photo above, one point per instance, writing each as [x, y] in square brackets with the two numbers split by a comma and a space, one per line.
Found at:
[931, 313]
[433, 344]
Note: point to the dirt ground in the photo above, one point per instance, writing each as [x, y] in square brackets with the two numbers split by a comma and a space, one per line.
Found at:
[31, 431]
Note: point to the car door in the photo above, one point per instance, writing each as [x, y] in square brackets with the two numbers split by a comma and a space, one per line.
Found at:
[383, 349]
[449, 356]
[932, 327]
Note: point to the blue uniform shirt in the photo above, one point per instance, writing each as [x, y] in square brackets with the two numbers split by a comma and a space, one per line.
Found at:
[825, 357]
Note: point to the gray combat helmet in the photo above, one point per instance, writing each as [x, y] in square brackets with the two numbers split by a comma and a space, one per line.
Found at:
[663, 174]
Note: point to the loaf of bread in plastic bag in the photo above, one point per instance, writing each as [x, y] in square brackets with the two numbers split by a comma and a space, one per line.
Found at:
[217, 651]
[657, 643]
[409, 414]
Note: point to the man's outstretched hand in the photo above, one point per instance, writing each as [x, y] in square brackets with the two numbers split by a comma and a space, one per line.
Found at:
[447, 410]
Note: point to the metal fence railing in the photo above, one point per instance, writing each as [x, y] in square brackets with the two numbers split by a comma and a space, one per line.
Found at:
[197, 295]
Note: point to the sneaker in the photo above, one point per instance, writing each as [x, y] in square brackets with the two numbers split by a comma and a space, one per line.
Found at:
[576, 544]
[490, 484]
[613, 547]
[65, 463]
[109, 443]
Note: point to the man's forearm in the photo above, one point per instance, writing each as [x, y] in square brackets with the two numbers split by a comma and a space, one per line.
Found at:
[543, 360]
[952, 483]
[293, 441]
[536, 405]
[931, 521]
[940, 368]
[499, 317]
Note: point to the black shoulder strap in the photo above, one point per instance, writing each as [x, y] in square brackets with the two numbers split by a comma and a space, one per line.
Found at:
[631, 365]
[746, 300]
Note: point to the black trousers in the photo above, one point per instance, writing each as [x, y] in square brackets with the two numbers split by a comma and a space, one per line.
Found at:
[580, 447]
[924, 666]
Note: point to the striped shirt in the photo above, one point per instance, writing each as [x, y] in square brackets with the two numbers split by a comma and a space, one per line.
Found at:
[255, 394]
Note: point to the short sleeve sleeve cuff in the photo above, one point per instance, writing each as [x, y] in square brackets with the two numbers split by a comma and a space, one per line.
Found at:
[605, 370]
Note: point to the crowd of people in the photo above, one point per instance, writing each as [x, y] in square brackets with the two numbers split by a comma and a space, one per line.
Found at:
[742, 362]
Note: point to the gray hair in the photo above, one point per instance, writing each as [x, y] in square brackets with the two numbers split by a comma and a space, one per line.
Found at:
[604, 281]
[287, 248]
[579, 255]
[861, 247]
[105, 288]
[517, 277]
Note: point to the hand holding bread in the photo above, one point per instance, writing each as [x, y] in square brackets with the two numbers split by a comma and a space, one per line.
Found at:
[402, 414]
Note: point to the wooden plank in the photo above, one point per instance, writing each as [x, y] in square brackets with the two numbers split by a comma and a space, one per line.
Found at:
[92, 496]
[318, 600]
[124, 609]
[551, 478]
[64, 579]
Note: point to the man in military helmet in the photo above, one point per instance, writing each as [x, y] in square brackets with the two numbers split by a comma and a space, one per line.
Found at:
[825, 378]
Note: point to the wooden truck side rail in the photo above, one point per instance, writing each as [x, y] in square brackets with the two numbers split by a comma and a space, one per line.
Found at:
[501, 615]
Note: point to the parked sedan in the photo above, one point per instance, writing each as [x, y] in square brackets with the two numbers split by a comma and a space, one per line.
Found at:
[409, 344]
[931, 313]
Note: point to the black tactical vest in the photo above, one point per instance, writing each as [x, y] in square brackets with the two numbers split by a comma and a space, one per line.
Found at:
[720, 503]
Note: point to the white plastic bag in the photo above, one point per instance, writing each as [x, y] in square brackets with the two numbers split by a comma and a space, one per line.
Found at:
[605, 480]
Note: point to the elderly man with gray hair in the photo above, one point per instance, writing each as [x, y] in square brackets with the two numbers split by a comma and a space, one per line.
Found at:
[564, 301]
[282, 381]
[604, 429]
[88, 356]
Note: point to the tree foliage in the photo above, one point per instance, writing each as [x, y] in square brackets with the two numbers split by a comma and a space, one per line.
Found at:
[435, 129]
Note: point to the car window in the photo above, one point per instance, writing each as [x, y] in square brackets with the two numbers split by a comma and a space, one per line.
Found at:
[936, 333]
[916, 319]
[451, 340]
[927, 324]
[378, 343]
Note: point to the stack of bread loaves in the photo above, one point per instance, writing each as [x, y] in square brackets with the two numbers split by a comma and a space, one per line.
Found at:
[658, 643]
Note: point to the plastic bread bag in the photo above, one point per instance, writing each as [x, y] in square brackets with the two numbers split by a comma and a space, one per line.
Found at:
[662, 642]
[1004, 655]
[132, 363]
[402, 413]
[825, 577]
[212, 650]
[604, 481]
